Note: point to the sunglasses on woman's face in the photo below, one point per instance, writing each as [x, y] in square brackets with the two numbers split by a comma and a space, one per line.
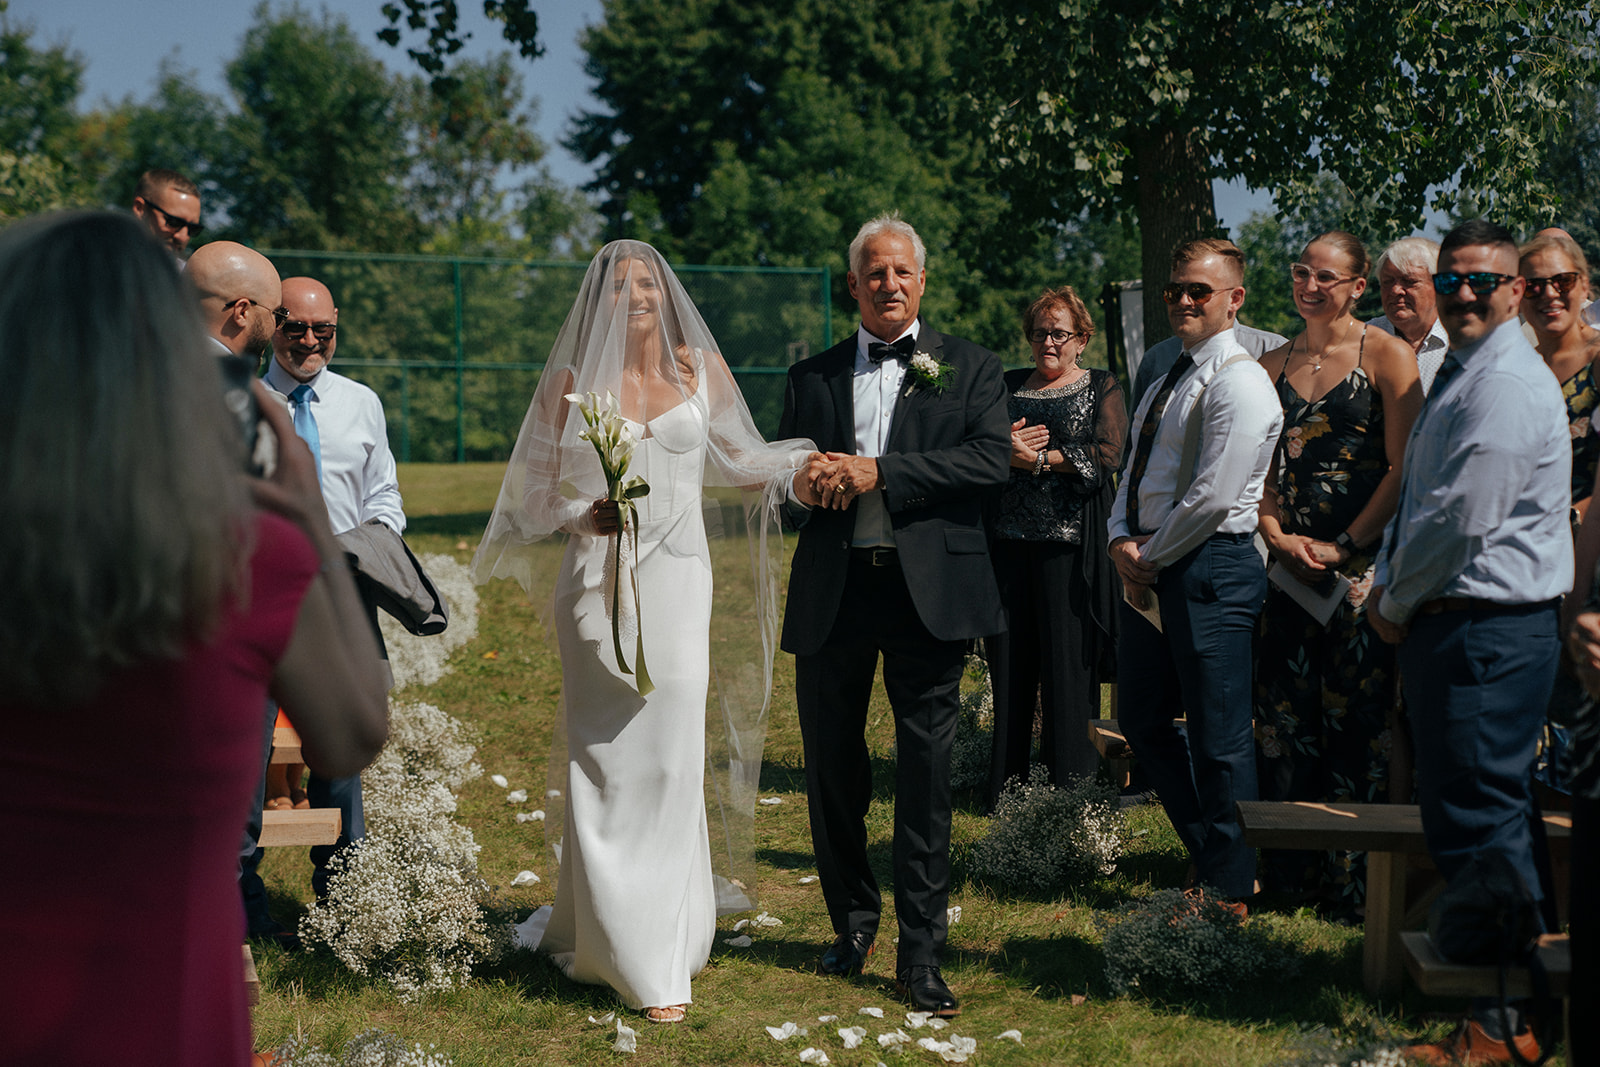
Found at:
[1560, 284]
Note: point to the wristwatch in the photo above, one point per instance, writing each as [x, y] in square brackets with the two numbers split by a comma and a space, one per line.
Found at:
[1346, 542]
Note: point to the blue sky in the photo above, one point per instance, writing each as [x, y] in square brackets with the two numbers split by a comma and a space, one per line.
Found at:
[124, 41]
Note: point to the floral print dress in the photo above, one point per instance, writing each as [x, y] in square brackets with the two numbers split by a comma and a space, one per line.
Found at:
[1323, 694]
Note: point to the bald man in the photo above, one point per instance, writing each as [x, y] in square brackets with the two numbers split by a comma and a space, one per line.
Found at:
[241, 297]
[343, 422]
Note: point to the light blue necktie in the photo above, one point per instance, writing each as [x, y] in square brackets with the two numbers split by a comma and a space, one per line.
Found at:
[305, 424]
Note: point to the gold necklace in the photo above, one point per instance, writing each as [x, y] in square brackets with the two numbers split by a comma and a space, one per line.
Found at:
[1316, 360]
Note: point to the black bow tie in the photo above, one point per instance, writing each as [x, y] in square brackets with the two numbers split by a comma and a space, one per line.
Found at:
[877, 351]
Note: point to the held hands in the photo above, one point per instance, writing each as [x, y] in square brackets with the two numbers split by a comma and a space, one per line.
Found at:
[1307, 559]
[834, 479]
[1138, 575]
[1026, 441]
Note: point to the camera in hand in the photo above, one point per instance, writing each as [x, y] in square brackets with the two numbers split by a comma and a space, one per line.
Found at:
[240, 399]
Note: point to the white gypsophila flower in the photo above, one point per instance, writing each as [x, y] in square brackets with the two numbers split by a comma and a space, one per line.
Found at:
[424, 660]
[971, 750]
[1043, 838]
[431, 744]
[370, 1048]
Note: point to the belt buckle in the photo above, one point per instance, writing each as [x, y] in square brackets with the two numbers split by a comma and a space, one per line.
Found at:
[880, 556]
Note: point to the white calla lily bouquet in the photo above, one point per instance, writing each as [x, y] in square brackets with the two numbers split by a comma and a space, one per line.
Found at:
[614, 442]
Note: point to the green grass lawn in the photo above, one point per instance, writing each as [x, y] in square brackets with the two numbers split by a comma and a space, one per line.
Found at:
[1032, 965]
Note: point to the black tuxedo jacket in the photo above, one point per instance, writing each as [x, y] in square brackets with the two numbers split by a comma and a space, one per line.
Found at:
[948, 452]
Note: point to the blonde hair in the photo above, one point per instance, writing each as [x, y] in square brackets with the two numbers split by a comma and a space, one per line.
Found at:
[1202, 247]
[1546, 242]
[127, 521]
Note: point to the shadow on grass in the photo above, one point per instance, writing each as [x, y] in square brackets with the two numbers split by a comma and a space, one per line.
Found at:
[467, 524]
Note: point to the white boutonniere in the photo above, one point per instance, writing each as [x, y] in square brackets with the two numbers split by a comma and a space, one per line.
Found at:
[929, 373]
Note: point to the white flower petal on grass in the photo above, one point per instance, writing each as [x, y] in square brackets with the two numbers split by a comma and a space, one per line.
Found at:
[499, 780]
[740, 925]
[893, 1038]
[517, 796]
[1010, 1035]
[827, 1018]
[808, 879]
[785, 1032]
[766, 920]
[937, 1024]
[770, 801]
[953, 915]
[876, 1013]
[916, 1019]
[552, 793]
[813, 1055]
[964, 1045]
[742, 941]
[627, 1040]
[944, 1049]
[605, 1020]
[852, 1035]
[525, 878]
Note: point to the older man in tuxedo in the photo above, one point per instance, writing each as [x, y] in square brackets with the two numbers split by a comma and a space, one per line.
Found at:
[892, 561]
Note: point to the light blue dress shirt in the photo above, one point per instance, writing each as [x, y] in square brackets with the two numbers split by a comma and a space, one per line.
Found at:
[1483, 502]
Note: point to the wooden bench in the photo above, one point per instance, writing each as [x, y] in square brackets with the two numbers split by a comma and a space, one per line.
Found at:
[1391, 836]
[1106, 736]
[1439, 977]
[285, 745]
[303, 826]
[252, 981]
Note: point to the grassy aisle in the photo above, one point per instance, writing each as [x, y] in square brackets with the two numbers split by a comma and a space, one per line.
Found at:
[1032, 965]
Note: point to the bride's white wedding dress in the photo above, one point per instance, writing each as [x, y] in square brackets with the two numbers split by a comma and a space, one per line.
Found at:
[635, 906]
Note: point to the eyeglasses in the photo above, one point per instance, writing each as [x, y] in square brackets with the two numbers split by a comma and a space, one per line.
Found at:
[1060, 337]
[173, 222]
[279, 314]
[1300, 274]
[1562, 283]
[322, 331]
[1483, 282]
[1196, 292]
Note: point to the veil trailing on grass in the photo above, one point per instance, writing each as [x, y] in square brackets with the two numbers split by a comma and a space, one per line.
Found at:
[637, 342]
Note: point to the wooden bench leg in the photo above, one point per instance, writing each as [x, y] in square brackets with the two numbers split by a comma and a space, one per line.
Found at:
[1382, 961]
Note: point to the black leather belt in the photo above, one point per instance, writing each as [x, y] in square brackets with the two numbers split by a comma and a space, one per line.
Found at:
[878, 556]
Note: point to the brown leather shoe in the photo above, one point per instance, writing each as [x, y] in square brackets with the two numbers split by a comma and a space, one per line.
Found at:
[1469, 1045]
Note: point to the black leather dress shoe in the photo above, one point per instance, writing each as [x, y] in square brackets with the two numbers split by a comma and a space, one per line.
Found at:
[927, 991]
[847, 955]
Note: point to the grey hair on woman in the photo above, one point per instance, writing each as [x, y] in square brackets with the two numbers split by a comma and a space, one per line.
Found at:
[127, 516]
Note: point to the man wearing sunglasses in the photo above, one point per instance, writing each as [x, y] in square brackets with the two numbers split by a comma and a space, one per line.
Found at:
[169, 206]
[1182, 535]
[343, 422]
[1469, 579]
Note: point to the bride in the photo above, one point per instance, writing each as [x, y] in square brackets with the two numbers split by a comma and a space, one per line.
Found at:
[643, 875]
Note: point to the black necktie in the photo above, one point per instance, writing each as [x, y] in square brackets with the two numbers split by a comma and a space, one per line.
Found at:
[1147, 438]
[877, 351]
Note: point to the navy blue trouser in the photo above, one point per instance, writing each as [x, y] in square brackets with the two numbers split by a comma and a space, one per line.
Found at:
[1200, 664]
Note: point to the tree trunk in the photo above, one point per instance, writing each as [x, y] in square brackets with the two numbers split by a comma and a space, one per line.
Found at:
[1175, 205]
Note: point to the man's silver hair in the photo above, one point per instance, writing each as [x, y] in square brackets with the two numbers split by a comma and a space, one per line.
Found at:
[1411, 255]
[889, 222]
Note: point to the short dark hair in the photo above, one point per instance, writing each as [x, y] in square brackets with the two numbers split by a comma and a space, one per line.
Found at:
[1477, 232]
[152, 182]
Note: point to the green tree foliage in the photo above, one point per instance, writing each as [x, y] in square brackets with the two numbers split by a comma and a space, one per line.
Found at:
[766, 134]
[317, 148]
[181, 128]
[38, 88]
[1572, 167]
[440, 20]
[1133, 109]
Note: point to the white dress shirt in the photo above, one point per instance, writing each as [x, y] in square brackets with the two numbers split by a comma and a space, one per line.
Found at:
[1430, 356]
[876, 386]
[359, 481]
[1242, 420]
[1483, 501]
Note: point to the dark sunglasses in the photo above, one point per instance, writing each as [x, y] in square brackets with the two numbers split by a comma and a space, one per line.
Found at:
[174, 223]
[1060, 337]
[279, 314]
[1173, 292]
[1483, 282]
[320, 330]
[1562, 283]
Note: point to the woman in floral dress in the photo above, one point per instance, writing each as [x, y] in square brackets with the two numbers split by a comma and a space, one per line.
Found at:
[1323, 692]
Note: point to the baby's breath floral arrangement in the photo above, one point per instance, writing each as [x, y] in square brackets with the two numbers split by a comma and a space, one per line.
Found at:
[1172, 944]
[1045, 839]
[405, 905]
[418, 660]
[1366, 1044]
[370, 1048]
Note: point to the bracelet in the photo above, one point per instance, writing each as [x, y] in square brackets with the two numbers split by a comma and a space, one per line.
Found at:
[1346, 542]
[1038, 463]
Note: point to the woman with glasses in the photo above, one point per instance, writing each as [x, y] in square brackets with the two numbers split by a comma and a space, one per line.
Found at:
[1325, 682]
[1068, 429]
